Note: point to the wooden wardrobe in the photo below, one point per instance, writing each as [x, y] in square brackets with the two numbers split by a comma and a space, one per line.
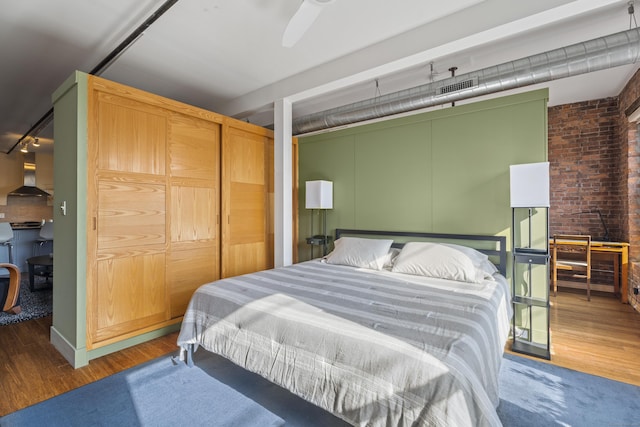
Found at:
[176, 196]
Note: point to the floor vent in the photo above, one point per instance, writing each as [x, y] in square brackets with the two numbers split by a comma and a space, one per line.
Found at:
[454, 87]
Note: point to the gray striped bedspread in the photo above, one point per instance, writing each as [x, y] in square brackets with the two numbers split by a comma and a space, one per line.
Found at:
[374, 348]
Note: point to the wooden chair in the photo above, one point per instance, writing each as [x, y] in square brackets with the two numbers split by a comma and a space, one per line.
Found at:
[571, 252]
[13, 292]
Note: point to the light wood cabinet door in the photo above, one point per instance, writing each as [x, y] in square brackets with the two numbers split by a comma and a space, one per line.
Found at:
[127, 224]
[194, 251]
[247, 194]
[176, 197]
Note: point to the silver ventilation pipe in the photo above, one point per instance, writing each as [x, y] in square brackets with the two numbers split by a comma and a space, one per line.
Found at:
[598, 54]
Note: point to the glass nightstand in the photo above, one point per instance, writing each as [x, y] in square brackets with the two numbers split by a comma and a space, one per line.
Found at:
[319, 240]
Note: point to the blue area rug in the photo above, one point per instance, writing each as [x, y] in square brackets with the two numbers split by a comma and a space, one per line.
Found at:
[537, 394]
[158, 393]
[217, 393]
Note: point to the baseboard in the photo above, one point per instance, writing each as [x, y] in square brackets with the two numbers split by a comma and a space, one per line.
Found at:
[81, 357]
[132, 341]
[76, 357]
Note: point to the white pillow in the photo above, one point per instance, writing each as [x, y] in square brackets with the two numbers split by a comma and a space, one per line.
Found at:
[476, 256]
[436, 260]
[489, 268]
[480, 260]
[360, 252]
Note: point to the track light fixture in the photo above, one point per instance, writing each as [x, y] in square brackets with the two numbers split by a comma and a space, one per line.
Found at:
[36, 142]
[24, 148]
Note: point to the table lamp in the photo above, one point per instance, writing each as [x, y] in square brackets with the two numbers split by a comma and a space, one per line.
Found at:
[529, 188]
[319, 195]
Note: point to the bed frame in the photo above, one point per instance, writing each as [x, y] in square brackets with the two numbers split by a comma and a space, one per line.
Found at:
[493, 246]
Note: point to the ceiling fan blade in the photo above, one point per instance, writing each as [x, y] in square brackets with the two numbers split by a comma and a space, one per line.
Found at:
[302, 20]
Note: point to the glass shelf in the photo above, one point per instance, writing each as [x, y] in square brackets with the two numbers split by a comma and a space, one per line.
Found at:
[530, 282]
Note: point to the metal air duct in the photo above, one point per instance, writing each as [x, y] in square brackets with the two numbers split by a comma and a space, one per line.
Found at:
[598, 54]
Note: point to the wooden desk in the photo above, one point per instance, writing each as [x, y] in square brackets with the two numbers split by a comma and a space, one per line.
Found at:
[616, 252]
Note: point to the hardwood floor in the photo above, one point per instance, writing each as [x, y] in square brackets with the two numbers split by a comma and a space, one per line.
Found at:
[32, 370]
[601, 337]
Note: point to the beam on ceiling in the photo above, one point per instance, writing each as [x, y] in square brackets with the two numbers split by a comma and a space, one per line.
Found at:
[102, 65]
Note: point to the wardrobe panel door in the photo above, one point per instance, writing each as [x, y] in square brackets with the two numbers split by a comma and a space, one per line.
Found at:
[194, 148]
[188, 268]
[127, 208]
[194, 206]
[194, 213]
[247, 161]
[131, 295]
[130, 214]
[131, 136]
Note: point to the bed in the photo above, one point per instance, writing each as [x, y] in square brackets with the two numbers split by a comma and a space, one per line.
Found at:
[390, 329]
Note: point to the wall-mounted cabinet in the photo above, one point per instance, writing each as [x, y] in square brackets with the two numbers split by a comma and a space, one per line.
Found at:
[11, 176]
[176, 197]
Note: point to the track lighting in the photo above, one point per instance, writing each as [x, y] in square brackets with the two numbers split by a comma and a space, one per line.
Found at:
[36, 142]
[24, 148]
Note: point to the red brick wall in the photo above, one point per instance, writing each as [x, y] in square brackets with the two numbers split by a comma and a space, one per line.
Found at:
[630, 183]
[584, 153]
[594, 160]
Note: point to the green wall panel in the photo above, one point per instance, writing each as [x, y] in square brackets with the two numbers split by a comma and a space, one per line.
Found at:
[442, 171]
[332, 160]
[472, 153]
[393, 170]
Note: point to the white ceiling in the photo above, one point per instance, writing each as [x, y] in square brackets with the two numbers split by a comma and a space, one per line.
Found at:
[226, 55]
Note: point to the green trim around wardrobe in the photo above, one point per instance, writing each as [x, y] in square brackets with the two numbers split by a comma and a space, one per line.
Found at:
[68, 332]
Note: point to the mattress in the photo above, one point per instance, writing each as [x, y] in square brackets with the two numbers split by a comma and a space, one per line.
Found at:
[375, 348]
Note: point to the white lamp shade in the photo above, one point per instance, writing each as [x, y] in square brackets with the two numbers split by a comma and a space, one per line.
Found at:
[319, 195]
[529, 185]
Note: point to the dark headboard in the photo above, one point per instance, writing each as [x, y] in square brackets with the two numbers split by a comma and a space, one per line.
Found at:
[494, 246]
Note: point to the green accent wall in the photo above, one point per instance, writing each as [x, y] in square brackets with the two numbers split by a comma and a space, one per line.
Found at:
[441, 171]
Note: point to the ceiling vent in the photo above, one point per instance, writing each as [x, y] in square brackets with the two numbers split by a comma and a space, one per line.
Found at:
[454, 87]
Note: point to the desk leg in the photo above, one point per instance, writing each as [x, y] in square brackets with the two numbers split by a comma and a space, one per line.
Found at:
[616, 275]
[624, 288]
